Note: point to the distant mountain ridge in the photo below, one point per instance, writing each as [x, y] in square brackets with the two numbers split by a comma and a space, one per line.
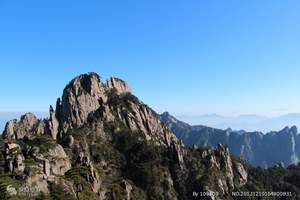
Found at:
[246, 122]
[257, 148]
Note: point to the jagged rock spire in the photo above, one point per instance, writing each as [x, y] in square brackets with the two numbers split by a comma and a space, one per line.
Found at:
[119, 85]
[53, 123]
[27, 125]
[80, 97]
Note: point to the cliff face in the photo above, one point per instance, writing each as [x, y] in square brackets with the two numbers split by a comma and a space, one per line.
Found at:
[101, 142]
[259, 149]
[86, 96]
[90, 115]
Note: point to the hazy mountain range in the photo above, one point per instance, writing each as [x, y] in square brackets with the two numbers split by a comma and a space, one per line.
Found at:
[257, 148]
[244, 122]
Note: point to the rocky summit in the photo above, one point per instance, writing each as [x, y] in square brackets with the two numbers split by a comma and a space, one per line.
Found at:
[102, 142]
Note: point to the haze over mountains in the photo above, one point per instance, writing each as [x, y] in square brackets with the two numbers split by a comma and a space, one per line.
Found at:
[244, 122]
[259, 149]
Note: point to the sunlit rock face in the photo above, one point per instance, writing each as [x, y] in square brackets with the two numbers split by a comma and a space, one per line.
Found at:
[28, 125]
[102, 142]
[81, 96]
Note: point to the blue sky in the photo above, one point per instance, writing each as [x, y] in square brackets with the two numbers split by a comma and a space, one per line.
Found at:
[188, 57]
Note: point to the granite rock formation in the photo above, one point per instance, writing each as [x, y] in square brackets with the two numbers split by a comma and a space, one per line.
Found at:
[102, 142]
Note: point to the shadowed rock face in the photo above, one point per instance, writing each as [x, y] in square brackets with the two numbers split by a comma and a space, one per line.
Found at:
[257, 148]
[101, 142]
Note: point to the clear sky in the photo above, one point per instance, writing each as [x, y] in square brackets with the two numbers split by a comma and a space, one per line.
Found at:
[188, 57]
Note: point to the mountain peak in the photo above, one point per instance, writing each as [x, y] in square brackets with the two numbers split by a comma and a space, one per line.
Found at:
[119, 85]
[165, 115]
[80, 97]
[84, 81]
[84, 98]
[166, 118]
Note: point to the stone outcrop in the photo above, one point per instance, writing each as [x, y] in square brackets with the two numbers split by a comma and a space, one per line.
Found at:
[226, 164]
[93, 176]
[94, 179]
[119, 85]
[81, 97]
[83, 159]
[59, 161]
[53, 124]
[19, 165]
[179, 151]
[28, 125]
[14, 159]
[232, 174]
[140, 118]
[243, 175]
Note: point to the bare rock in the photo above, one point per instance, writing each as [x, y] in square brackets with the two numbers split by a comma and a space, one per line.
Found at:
[59, 161]
[243, 175]
[37, 181]
[226, 164]
[179, 151]
[140, 118]
[83, 159]
[81, 97]
[70, 141]
[28, 125]
[128, 188]
[94, 179]
[213, 161]
[53, 123]
[14, 159]
[93, 176]
[19, 164]
[119, 85]
[46, 167]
